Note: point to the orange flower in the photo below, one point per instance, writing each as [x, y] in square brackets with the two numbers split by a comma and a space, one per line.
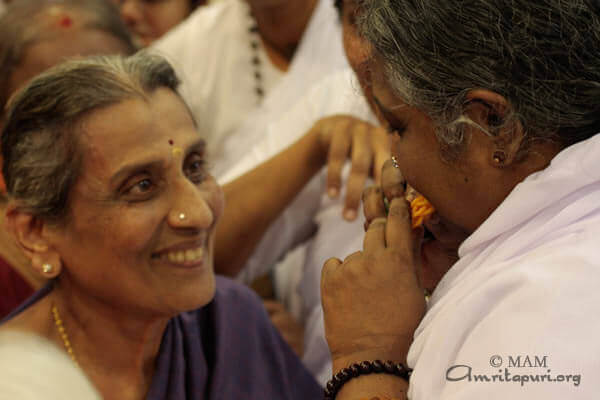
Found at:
[421, 208]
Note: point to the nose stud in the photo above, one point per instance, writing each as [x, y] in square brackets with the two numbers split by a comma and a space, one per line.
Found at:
[47, 268]
[181, 216]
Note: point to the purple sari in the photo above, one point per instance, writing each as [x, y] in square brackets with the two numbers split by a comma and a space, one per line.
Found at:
[226, 350]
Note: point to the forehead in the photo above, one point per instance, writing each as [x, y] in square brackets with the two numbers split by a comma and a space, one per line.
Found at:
[53, 50]
[135, 129]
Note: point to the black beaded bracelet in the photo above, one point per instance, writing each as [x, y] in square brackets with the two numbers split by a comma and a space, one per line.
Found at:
[364, 368]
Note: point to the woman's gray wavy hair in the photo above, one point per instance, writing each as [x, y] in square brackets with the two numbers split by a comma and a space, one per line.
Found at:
[41, 153]
[543, 56]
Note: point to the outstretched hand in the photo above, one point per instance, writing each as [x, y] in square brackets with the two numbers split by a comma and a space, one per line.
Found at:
[365, 144]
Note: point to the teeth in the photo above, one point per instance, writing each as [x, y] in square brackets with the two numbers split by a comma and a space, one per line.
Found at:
[181, 257]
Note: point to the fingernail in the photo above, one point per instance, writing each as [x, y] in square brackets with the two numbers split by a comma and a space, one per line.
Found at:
[332, 192]
[349, 215]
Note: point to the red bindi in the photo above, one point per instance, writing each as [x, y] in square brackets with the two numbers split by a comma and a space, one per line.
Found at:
[66, 22]
[171, 142]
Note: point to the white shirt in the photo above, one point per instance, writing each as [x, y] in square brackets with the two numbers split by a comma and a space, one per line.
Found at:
[319, 54]
[212, 54]
[526, 285]
[311, 211]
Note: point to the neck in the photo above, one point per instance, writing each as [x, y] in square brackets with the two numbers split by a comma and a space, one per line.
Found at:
[281, 26]
[10, 252]
[116, 349]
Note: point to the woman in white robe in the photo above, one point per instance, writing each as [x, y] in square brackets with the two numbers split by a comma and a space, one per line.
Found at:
[493, 109]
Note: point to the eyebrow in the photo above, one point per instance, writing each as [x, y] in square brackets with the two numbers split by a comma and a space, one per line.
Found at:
[197, 146]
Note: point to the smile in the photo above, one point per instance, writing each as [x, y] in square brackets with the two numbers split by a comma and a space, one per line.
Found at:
[183, 258]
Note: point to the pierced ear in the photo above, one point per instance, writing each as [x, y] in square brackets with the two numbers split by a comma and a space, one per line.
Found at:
[490, 110]
[30, 236]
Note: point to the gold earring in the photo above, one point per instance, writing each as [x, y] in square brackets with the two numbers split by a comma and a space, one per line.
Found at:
[47, 268]
[395, 162]
[499, 157]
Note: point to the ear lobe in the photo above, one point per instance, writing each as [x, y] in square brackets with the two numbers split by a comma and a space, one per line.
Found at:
[491, 112]
[29, 234]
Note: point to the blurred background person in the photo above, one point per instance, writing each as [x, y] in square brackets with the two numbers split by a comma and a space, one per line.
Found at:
[35, 35]
[148, 20]
[32, 368]
[244, 63]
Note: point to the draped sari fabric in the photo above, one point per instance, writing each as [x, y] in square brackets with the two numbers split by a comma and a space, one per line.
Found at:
[13, 289]
[226, 350]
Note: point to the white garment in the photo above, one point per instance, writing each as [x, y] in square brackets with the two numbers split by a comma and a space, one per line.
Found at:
[32, 368]
[526, 284]
[311, 210]
[212, 55]
[319, 54]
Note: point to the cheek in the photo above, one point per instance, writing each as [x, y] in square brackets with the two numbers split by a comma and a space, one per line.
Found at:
[216, 201]
[167, 15]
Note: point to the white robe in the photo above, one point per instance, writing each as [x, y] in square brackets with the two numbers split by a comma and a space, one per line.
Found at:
[212, 55]
[526, 285]
[312, 222]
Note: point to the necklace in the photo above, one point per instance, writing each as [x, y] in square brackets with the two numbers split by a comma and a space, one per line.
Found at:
[256, 63]
[63, 334]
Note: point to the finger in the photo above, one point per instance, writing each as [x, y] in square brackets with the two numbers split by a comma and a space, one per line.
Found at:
[381, 149]
[392, 181]
[362, 156]
[373, 205]
[338, 152]
[398, 232]
[375, 237]
[328, 268]
[352, 256]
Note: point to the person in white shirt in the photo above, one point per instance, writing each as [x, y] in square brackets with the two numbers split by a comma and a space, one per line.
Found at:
[494, 117]
[245, 63]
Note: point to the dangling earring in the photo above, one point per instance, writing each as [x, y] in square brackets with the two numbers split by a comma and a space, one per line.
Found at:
[499, 157]
[395, 162]
[47, 268]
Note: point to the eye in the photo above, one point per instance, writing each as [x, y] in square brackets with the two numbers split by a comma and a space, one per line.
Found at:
[195, 169]
[141, 187]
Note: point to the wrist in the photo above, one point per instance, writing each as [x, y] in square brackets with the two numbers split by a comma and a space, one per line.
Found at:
[396, 354]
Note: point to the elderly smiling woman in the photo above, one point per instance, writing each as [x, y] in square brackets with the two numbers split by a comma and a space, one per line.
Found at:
[494, 114]
[109, 196]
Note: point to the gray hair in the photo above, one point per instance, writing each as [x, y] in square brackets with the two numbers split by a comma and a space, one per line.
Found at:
[23, 25]
[42, 157]
[543, 56]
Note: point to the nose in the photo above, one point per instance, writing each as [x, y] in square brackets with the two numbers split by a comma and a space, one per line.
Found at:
[131, 12]
[191, 208]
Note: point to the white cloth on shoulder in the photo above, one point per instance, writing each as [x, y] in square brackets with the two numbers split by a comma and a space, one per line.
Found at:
[523, 299]
[33, 368]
